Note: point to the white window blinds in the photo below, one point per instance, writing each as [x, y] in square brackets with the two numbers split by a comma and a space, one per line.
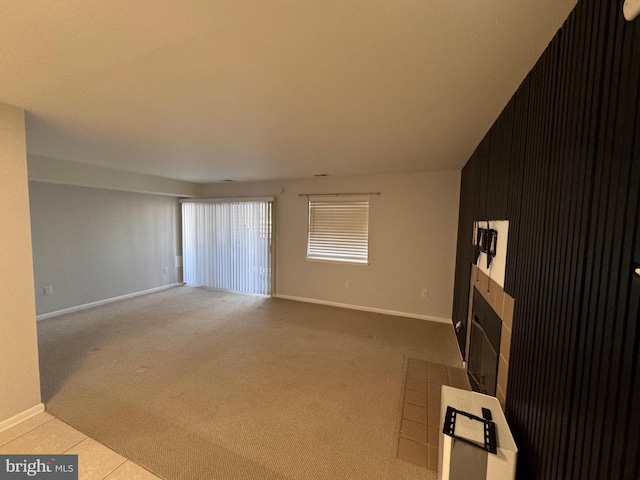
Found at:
[339, 229]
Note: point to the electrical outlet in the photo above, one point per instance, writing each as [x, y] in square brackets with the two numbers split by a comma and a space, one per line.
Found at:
[165, 270]
[48, 290]
[347, 284]
[631, 9]
[424, 293]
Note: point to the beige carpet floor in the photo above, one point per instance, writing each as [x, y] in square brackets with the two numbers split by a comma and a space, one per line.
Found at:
[195, 383]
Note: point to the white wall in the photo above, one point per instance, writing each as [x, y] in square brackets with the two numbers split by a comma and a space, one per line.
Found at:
[412, 241]
[92, 244]
[19, 376]
[52, 170]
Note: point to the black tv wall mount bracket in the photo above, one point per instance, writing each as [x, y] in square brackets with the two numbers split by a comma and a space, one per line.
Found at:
[486, 242]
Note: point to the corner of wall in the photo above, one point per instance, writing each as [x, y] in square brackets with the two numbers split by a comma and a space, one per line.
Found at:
[19, 375]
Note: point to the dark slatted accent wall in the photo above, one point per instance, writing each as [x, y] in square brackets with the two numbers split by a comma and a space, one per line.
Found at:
[562, 164]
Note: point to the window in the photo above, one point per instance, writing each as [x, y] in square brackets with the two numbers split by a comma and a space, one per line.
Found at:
[227, 244]
[339, 229]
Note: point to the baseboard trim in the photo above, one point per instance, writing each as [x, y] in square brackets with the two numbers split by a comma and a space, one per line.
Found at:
[394, 313]
[21, 417]
[64, 311]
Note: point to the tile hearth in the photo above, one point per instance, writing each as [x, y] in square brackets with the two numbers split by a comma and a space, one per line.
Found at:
[420, 424]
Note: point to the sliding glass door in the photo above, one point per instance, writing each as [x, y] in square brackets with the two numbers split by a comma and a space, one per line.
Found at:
[227, 244]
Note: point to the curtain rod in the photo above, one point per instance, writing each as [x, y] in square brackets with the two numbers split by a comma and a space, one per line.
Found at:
[227, 200]
[337, 194]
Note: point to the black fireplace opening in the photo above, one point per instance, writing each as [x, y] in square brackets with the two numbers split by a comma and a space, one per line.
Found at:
[484, 346]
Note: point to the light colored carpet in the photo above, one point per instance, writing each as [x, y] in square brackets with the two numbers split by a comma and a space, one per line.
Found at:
[195, 383]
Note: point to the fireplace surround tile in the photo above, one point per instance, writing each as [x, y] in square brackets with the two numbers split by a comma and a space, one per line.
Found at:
[501, 397]
[507, 311]
[503, 370]
[496, 299]
[503, 304]
[481, 281]
[505, 342]
[490, 294]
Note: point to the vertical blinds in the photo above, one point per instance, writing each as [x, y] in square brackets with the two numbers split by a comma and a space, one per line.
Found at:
[339, 229]
[227, 245]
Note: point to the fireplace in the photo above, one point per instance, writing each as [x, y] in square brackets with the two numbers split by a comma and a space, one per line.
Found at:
[484, 346]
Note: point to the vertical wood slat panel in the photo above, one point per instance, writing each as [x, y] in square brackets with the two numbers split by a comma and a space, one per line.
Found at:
[589, 344]
[623, 333]
[575, 151]
[613, 183]
[515, 180]
[559, 165]
[566, 242]
[630, 347]
[557, 245]
[484, 165]
[547, 189]
[527, 259]
[469, 212]
[591, 119]
[514, 214]
[553, 238]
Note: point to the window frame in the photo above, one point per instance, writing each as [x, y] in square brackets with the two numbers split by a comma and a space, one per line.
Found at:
[315, 205]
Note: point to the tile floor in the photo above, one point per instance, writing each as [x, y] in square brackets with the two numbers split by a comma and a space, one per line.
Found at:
[45, 434]
[420, 425]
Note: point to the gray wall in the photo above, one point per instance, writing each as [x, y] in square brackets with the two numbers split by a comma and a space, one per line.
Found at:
[92, 244]
[19, 376]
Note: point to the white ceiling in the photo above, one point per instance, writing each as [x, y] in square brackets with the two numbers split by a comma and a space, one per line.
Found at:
[209, 90]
